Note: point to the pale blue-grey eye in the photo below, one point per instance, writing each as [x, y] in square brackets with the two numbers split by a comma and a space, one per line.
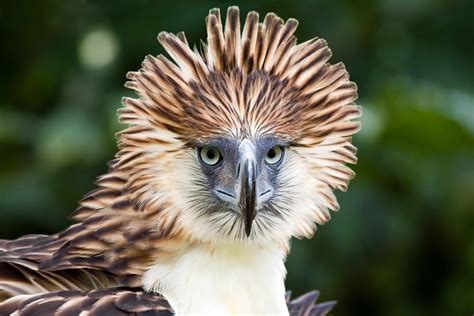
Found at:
[210, 156]
[274, 155]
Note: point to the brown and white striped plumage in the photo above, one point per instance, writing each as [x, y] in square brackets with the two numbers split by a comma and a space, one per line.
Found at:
[238, 85]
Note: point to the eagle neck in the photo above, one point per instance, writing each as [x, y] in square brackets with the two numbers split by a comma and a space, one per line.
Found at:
[222, 279]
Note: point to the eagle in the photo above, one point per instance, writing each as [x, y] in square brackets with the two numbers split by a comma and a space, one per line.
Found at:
[232, 147]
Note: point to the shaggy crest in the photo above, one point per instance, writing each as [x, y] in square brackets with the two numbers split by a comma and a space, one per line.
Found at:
[249, 83]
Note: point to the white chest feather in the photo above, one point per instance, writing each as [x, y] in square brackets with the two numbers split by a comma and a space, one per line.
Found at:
[225, 280]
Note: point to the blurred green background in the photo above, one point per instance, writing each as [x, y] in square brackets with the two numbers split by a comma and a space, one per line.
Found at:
[403, 243]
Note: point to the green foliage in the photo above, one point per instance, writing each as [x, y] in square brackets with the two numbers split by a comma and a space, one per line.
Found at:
[402, 243]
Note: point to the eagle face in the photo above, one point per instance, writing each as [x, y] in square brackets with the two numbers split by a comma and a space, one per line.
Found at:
[240, 142]
[242, 176]
[247, 189]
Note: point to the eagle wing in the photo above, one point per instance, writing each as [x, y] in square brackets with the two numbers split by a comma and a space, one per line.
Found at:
[126, 301]
[21, 271]
[112, 301]
[110, 245]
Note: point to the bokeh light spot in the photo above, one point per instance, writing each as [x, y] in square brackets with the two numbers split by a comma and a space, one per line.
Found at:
[98, 48]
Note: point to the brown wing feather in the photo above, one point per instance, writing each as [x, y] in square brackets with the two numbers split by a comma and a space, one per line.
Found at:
[21, 272]
[113, 301]
[305, 305]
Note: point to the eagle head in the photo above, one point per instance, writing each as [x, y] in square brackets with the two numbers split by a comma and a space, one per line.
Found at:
[242, 140]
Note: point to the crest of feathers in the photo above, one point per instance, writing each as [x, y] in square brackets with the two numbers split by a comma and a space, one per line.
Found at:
[252, 83]
[249, 83]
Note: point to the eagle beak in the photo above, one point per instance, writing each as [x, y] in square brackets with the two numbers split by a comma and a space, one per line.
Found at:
[248, 190]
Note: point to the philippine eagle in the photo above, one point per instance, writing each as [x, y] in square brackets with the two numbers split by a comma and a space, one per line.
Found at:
[231, 149]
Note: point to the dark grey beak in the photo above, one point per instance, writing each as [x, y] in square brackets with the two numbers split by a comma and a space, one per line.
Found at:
[248, 194]
[248, 188]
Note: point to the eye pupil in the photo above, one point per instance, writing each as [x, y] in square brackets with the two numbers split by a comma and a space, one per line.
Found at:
[211, 154]
[271, 153]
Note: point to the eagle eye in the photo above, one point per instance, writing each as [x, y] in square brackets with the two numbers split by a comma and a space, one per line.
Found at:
[274, 155]
[210, 156]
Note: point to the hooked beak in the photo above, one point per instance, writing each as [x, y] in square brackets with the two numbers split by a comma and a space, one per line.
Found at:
[248, 189]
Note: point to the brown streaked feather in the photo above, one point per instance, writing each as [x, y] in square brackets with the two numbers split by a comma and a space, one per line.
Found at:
[112, 301]
[232, 37]
[20, 271]
[305, 305]
[215, 41]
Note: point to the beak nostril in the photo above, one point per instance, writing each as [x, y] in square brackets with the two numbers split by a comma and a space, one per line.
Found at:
[268, 191]
[238, 170]
[226, 193]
